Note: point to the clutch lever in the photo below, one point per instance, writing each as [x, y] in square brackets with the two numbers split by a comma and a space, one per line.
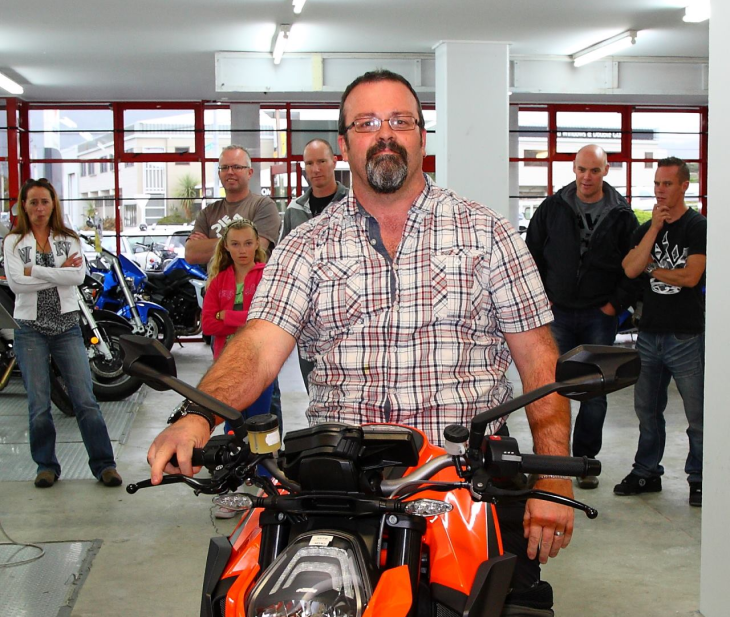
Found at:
[493, 494]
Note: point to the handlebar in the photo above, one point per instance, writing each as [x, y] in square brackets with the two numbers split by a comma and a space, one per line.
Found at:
[560, 465]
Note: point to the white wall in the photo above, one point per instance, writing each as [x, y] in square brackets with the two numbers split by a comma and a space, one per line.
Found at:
[714, 588]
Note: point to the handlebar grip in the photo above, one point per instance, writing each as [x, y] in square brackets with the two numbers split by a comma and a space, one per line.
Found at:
[198, 460]
[560, 465]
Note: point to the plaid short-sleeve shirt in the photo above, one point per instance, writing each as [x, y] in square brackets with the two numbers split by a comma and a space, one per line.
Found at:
[417, 340]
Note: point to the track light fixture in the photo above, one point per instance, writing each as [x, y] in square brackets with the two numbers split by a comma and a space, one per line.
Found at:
[605, 48]
[282, 37]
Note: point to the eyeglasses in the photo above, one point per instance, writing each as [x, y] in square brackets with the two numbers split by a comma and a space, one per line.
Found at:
[371, 124]
[237, 168]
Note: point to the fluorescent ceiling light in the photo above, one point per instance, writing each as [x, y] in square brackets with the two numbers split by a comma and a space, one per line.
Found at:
[8, 84]
[298, 5]
[605, 48]
[698, 11]
[282, 37]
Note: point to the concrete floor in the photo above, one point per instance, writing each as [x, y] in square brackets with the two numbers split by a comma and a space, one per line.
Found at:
[641, 556]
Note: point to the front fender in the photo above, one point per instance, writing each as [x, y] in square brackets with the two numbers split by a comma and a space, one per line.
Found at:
[144, 307]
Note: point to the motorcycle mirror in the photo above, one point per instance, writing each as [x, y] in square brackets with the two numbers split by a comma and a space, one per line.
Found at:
[596, 369]
[582, 373]
[141, 354]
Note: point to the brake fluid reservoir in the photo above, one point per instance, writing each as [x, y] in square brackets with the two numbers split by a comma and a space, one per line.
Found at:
[263, 433]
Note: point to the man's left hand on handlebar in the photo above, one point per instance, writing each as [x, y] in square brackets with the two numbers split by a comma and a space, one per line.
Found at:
[178, 439]
[548, 526]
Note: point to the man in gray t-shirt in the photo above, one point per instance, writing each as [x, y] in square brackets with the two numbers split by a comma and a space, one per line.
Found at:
[235, 171]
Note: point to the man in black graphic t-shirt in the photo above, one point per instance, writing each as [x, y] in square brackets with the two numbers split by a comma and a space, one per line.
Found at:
[669, 254]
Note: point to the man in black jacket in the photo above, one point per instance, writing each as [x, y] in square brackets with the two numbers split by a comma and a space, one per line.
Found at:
[578, 237]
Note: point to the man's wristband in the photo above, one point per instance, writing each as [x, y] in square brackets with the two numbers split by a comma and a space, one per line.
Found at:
[186, 408]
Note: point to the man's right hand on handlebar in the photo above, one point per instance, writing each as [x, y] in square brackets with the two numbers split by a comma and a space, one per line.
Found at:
[178, 440]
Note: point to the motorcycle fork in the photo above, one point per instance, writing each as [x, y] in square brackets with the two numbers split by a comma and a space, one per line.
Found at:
[275, 530]
[6, 374]
[100, 345]
[405, 541]
[138, 326]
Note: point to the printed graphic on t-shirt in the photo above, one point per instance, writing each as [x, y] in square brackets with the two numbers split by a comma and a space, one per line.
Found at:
[670, 259]
[62, 248]
[224, 222]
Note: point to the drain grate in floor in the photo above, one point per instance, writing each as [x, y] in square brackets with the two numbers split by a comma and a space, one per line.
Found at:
[48, 586]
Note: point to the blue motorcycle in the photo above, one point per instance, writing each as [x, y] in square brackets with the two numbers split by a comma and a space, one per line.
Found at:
[174, 289]
[123, 282]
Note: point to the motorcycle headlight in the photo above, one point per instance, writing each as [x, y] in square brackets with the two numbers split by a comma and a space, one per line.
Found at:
[320, 574]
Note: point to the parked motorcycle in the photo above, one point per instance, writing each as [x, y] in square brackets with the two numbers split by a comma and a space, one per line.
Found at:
[101, 330]
[172, 289]
[123, 281]
[370, 520]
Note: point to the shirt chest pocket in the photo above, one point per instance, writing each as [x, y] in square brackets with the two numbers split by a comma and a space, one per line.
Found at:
[338, 301]
[455, 285]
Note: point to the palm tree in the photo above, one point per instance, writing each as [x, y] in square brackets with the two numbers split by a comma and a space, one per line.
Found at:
[187, 192]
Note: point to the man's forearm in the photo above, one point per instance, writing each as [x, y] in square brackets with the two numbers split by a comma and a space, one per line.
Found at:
[250, 361]
[535, 355]
[200, 251]
[680, 277]
[638, 257]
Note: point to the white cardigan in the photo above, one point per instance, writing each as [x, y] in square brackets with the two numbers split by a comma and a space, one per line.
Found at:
[19, 256]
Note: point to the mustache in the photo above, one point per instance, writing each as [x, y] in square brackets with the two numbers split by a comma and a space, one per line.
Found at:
[381, 145]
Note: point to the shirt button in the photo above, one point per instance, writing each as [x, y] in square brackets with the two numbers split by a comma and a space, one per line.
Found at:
[373, 242]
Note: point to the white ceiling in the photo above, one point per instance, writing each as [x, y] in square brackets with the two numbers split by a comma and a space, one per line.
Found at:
[104, 50]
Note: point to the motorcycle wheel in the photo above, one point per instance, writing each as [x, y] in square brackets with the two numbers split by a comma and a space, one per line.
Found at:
[59, 392]
[109, 380]
[160, 326]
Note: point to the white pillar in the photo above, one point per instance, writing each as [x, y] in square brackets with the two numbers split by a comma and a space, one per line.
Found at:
[714, 589]
[472, 133]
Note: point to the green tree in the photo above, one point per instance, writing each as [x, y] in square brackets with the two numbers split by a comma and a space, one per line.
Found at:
[187, 192]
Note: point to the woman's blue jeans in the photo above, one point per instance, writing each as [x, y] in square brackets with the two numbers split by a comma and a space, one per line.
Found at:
[33, 351]
[663, 356]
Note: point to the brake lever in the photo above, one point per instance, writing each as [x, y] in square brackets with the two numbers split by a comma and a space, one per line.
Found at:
[207, 487]
[494, 494]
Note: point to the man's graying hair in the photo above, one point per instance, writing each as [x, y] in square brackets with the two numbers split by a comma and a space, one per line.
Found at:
[237, 147]
[374, 77]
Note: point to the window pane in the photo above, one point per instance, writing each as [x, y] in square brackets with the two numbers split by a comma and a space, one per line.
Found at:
[274, 182]
[4, 194]
[159, 130]
[580, 128]
[308, 124]
[217, 131]
[65, 133]
[533, 134]
[659, 135]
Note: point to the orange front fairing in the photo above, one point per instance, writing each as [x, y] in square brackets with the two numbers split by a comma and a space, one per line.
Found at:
[458, 541]
[392, 596]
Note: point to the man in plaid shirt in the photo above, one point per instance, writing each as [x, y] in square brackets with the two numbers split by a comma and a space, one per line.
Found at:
[411, 302]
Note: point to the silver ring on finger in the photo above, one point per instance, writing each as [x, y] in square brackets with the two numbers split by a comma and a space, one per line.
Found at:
[559, 534]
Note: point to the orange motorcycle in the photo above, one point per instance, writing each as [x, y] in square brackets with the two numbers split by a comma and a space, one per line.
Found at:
[359, 521]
